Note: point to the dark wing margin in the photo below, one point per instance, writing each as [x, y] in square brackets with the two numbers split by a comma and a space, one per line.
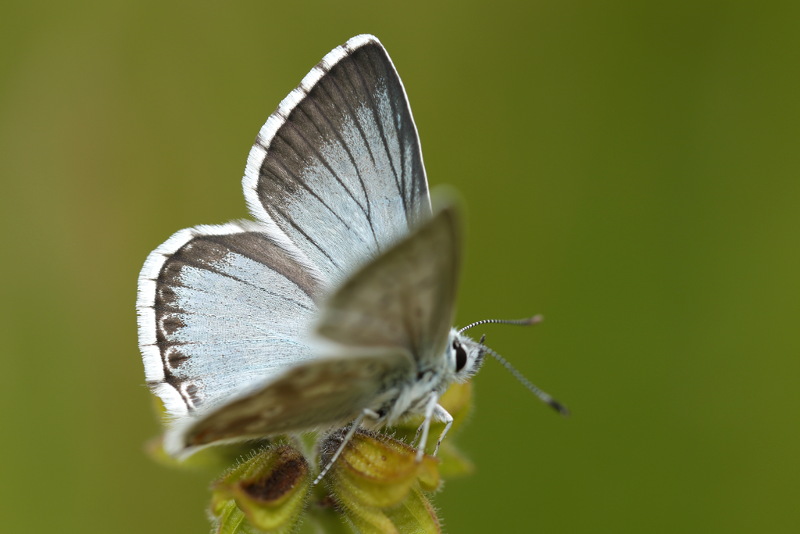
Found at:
[220, 307]
[404, 298]
[338, 167]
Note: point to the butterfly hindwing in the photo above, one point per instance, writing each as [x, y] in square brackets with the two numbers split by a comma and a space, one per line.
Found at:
[338, 168]
[220, 307]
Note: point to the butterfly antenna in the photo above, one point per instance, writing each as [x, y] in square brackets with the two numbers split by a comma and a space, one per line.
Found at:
[528, 321]
[544, 397]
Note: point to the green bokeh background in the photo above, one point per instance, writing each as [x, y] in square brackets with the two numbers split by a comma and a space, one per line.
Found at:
[630, 170]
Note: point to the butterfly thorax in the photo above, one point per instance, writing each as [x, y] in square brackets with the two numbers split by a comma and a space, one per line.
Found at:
[414, 396]
[461, 358]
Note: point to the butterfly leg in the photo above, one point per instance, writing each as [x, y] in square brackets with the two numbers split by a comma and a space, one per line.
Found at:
[442, 415]
[430, 408]
[347, 437]
[439, 414]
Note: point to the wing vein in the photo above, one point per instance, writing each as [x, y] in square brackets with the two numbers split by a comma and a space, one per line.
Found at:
[407, 175]
[351, 112]
[300, 230]
[260, 289]
[206, 267]
[379, 123]
[228, 342]
[343, 144]
[301, 135]
[305, 186]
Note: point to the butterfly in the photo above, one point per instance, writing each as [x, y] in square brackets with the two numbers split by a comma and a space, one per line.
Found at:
[334, 306]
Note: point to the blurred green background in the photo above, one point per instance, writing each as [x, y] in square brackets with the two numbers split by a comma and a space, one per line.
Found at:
[631, 170]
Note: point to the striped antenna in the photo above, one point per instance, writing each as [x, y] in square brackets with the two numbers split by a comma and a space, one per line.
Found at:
[544, 397]
[528, 321]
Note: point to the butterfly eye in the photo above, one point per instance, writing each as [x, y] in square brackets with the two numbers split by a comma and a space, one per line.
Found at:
[461, 356]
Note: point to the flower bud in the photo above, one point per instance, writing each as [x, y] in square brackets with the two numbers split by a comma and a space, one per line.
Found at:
[379, 483]
[270, 490]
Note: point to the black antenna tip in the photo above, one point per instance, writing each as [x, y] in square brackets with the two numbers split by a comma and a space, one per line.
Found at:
[560, 408]
[541, 395]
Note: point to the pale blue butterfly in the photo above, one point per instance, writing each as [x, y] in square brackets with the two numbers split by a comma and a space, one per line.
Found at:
[334, 307]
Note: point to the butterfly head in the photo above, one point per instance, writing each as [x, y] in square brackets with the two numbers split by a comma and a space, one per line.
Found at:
[464, 356]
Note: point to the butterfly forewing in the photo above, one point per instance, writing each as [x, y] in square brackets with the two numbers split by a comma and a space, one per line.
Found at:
[219, 308]
[405, 297]
[338, 166]
[309, 396]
